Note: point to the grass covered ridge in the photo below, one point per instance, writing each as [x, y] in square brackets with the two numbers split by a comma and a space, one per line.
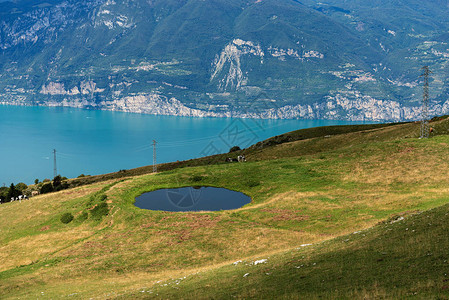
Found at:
[304, 192]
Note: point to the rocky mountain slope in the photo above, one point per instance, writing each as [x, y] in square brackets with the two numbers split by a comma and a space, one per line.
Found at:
[266, 58]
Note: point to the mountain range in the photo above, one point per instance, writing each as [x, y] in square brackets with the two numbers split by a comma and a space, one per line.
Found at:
[339, 59]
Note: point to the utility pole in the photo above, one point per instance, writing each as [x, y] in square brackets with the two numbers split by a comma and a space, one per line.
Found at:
[425, 128]
[55, 170]
[154, 157]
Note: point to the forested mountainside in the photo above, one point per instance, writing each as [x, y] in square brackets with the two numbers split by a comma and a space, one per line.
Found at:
[354, 60]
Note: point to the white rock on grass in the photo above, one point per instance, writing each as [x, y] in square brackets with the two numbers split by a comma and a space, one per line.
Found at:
[260, 261]
[304, 245]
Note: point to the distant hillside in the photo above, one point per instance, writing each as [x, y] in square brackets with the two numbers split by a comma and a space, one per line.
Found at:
[272, 58]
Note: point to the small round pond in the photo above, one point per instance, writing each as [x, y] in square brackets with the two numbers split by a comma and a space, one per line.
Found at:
[192, 199]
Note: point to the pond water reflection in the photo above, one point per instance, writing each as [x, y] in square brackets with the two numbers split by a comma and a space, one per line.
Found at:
[192, 199]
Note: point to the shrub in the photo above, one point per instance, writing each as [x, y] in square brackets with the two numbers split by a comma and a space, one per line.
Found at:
[95, 198]
[66, 218]
[4, 191]
[234, 149]
[21, 187]
[83, 216]
[196, 178]
[47, 188]
[57, 181]
[60, 187]
[99, 211]
[90, 201]
[252, 183]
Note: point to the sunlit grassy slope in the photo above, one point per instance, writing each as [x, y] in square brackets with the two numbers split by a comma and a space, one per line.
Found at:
[397, 259]
[308, 191]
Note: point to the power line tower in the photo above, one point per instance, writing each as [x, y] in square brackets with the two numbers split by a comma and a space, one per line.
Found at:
[154, 157]
[55, 170]
[425, 128]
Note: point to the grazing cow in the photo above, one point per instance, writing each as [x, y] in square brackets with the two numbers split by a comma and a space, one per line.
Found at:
[229, 159]
[241, 158]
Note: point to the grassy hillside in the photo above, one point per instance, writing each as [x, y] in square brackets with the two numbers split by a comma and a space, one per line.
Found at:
[308, 190]
[309, 134]
[397, 259]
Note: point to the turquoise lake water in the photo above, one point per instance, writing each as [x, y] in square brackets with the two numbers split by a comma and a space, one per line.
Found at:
[96, 142]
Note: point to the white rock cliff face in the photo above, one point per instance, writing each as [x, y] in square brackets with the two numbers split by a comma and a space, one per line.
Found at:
[230, 59]
[56, 88]
[338, 107]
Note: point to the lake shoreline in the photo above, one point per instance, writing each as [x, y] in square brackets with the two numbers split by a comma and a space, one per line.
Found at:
[100, 142]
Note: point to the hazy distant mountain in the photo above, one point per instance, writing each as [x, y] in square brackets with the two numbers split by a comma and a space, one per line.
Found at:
[343, 59]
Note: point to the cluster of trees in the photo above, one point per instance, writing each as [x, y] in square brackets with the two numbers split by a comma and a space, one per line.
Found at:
[14, 191]
[47, 186]
[59, 183]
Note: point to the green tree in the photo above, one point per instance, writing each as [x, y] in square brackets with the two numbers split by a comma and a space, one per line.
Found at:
[21, 187]
[4, 191]
[60, 183]
[47, 188]
[3, 194]
[234, 149]
[57, 183]
[12, 192]
[36, 181]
